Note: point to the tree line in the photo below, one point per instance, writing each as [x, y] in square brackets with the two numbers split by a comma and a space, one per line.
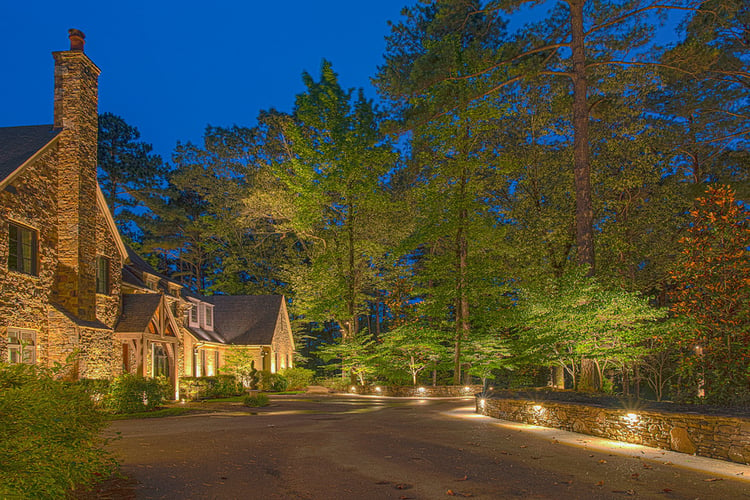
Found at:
[561, 202]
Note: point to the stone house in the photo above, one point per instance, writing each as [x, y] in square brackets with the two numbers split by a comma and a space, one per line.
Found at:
[70, 289]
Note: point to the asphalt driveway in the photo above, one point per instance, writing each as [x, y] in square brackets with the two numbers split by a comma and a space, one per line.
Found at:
[353, 447]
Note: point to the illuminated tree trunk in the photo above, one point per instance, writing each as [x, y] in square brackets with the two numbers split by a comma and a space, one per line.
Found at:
[589, 379]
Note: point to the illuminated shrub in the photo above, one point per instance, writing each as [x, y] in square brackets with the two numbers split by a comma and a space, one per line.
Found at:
[297, 378]
[50, 437]
[256, 400]
[131, 394]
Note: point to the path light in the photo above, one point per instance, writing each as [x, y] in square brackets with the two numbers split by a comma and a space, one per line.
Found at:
[421, 389]
[538, 408]
[481, 404]
[353, 389]
[377, 389]
[631, 418]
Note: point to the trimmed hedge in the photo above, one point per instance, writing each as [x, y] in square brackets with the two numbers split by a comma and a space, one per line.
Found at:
[297, 378]
[271, 382]
[220, 386]
[50, 435]
[132, 393]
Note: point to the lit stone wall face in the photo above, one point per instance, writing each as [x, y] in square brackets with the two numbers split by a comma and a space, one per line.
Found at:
[100, 355]
[75, 103]
[108, 306]
[23, 298]
[724, 438]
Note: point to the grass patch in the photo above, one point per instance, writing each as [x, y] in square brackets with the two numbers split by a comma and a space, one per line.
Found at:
[162, 412]
[232, 399]
[289, 392]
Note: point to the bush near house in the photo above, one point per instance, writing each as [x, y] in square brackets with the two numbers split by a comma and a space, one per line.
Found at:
[271, 382]
[220, 386]
[50, 437]
[131, 394]
[297, 378]
[256, 400]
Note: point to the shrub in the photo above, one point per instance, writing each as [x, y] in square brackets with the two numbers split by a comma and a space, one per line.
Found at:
[50, 435]
[337, 384]
[97, 388]
[272, 382]
[132, 393]
[297, 378]
[256, 400]
[220, 386]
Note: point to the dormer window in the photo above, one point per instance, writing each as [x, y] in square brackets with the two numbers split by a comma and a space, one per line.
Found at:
[193, 314]
[152, 282]
[208, 316]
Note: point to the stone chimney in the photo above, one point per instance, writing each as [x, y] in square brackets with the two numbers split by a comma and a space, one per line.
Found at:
[75, 113]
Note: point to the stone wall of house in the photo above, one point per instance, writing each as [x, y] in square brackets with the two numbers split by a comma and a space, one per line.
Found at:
[100, 354]
[29, 200]
[725, 438]
[75, 112]
[108, 306]
[423, 391]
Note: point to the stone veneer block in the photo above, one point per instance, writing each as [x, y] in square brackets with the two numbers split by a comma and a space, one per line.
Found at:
[724, 438]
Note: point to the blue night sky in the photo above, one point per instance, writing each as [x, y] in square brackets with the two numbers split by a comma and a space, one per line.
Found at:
[170, 68]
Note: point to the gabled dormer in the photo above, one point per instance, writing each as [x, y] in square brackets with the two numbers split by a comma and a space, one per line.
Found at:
[200, 314]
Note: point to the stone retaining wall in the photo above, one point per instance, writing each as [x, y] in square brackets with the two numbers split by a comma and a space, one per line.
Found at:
[725, 438]
[426, 391]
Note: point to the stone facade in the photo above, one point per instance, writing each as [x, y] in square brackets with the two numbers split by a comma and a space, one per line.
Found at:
[54, 195]
[724, 438]
[24, 298]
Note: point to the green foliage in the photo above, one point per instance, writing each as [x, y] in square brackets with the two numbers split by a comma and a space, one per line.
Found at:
[220, 386]
[256, 400]
[50, 435]
[297, 378]
[271, 382]
[356, 357]
[412, 348]
[130, 393]
[576, 318]
[129, 173]
[240, 362]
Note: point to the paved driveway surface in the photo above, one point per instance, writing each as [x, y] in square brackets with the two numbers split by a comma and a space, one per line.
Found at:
[339, 447]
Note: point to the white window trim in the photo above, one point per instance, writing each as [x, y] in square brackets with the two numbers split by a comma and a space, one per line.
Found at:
[194, 306]
[207, 318]
[25, 347]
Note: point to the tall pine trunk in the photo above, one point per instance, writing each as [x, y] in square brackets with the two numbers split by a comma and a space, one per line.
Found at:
[462, 301]
[589, 379]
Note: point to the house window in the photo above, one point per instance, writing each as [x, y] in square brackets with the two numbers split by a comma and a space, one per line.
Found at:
[102, 275]
[161, 361]
[208, 316]
[22, 249]
[193, 314]
[21, 346]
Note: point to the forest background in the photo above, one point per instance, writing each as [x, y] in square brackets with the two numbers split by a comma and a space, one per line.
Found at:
[562, 203]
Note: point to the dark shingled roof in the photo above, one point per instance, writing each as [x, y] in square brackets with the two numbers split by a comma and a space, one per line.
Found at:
[96, 324]
[137, 311]
[18, 144]
[246, 319]
[207, 336]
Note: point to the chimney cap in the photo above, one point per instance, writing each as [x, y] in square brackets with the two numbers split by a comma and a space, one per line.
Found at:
[77, 39]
